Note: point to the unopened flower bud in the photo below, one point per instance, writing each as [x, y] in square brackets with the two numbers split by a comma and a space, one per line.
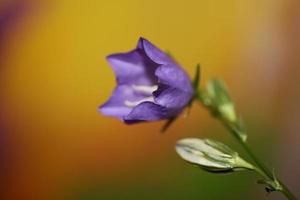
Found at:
[216, 97]
[211, 155]
[220, 99]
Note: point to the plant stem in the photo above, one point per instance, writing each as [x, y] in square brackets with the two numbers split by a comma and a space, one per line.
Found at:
[260, 167]
[287, 192]
[247, 149]
[266, 172]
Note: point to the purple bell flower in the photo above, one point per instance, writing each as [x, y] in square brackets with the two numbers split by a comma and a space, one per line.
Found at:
[151, 86]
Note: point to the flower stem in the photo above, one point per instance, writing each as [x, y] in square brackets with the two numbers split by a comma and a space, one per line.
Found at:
[287, 192]
[260, 168]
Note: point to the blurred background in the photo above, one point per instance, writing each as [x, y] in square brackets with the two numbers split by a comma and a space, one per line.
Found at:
[53, 75]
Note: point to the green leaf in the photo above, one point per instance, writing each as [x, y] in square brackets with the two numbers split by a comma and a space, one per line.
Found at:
[168, 123]
[196, 81]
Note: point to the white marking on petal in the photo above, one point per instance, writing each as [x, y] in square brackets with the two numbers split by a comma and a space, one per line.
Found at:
[145, 88]
[132, 104]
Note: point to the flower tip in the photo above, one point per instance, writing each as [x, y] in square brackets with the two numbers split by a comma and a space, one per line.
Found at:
[110, 57]
[102, 109]
[142, 38]
[141, 42]
[145, 44]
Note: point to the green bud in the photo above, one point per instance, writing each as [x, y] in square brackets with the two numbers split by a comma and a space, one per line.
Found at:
[228, 112]
[211, 155]
[220, 99]
[216, 97]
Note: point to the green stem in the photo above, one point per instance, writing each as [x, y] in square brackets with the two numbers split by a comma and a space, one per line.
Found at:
[260, 167]
[234, 132]
[287, 192]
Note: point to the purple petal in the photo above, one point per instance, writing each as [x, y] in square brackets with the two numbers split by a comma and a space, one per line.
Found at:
[115, 106]
[154, 53]
[133, 67]
[147, 65]
[172, 75]
[172, 98]
[146, 111]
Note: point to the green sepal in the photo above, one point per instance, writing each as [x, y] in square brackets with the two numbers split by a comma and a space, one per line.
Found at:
[196, 80]
[195, 84]
[168, 123]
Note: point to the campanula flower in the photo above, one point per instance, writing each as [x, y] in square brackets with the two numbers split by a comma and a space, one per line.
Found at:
[150, 85]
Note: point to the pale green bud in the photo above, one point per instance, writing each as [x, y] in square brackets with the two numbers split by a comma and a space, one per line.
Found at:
[216, 97]
[211, 155]
[228, 112]
[220, 99]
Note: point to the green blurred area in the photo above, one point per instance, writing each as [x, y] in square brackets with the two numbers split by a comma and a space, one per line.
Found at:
[187, 182]
[174, 178]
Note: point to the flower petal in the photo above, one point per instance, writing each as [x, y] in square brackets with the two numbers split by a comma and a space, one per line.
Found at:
[173, 75]
[146, 111]
[171, 97]
[138, 72]
[115, 106]
[133, 67]
[154, 53]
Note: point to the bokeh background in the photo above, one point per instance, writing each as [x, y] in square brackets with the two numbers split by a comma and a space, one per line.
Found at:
[53, 75]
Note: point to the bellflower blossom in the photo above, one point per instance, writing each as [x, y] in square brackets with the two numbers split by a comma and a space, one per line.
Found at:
[151, 86]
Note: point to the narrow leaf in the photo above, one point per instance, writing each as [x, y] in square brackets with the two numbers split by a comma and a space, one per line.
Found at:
[196, 80]
[167, 125]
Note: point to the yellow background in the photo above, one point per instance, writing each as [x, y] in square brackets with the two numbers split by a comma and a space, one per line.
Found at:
[54, 76]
